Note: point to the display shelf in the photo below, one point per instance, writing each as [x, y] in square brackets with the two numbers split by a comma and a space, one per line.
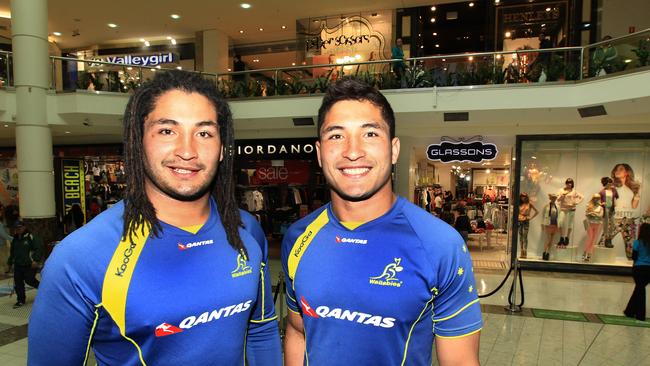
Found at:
[604, 255]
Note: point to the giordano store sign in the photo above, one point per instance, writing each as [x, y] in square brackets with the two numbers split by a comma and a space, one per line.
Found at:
[276, 149]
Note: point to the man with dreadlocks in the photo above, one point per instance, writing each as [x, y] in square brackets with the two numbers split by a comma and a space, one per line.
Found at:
[171, 275]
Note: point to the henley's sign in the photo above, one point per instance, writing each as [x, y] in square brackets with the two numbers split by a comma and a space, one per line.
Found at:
[141, 60]
[275, 149]
[474, 152]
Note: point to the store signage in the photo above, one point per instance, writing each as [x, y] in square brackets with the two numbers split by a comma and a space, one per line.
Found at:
[73, 187]
[292, 172]
[319, 43]
[531, 14]
[275, 149]
[475, 152]
[141, 60]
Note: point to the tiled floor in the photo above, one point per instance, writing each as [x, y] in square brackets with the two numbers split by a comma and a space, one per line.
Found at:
[505, 339]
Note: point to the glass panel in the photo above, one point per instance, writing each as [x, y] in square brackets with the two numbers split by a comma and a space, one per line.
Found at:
[587, 221]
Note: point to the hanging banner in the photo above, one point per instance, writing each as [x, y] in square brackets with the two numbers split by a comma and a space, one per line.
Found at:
[73, 187]
[290, 172]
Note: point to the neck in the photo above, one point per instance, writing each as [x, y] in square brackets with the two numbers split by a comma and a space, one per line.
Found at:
[366, 210]
[179, 213]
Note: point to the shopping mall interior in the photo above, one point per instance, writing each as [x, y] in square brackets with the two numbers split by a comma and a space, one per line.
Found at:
[494, 100]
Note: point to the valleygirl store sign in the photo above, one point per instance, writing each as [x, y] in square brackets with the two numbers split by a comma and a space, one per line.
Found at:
[140, 60]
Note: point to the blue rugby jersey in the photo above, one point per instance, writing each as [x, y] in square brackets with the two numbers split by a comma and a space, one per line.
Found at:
[378, 294]
[181, 299]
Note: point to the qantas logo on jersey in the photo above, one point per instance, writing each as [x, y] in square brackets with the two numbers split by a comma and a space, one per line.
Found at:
[166, 329]
[346, 315]
[350, 240]
[388, 276]
[242, 268]
[195, 244]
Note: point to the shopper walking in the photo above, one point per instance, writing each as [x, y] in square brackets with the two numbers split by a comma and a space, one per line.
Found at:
[25, 254]
[172, 275]
[5, 240]
[641, 273]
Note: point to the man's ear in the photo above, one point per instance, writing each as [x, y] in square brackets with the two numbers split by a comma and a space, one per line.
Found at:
[395, 146]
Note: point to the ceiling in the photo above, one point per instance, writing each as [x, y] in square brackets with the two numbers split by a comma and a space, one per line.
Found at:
[151, 19]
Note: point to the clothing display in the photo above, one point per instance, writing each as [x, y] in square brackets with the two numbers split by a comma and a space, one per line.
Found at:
[167, 300]
[378, 294]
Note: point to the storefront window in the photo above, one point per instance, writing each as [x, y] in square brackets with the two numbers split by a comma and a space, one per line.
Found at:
[586, 199]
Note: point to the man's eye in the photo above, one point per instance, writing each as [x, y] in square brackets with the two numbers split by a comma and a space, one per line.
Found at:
[335, 137]
[205, 134]
[166, 131]
[372, 134]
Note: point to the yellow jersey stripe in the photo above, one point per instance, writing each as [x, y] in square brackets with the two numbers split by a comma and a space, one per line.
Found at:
[262, 284]
[192, 228]
[460, 336]
[302, 243]
[118, 278]
[293, 311]
[456, 313]
[351, 225]
[264, 320]
[406, 346]
[92, 333]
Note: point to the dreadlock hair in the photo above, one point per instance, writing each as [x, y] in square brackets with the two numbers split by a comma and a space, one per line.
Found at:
[139, 212]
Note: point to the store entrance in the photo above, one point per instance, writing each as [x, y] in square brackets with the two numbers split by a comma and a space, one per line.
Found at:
[475, 199]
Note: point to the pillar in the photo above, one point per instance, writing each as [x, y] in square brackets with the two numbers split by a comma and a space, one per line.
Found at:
[33, 135]
[212, 51]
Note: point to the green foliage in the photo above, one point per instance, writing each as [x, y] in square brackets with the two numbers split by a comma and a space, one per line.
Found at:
[417, 77]
[387, 80]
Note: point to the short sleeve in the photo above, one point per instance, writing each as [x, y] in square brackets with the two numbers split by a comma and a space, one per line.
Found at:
[456, 308]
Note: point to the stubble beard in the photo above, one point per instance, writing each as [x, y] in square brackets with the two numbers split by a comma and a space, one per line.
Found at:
[173, 193]
[362, 197]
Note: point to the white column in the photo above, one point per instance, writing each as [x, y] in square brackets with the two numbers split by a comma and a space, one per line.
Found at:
[404, 183]
[212, 51]
[33, 135]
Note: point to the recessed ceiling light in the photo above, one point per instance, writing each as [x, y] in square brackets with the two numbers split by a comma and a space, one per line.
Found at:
[169, 38]
[471, 5]
[6, 125]
[548, 9]
[58, 34]
[175, 16]
[67, 131]
[508, 34]
[284, 27]
[142, 40]
[433, 8]
[173, 41]
[179, 67]
[433, 20]
[292, 64]
[147, 44]
[261, 29]
[245, 5]
[112, 25]
[435, 33]
[241, 32]
[437, 45]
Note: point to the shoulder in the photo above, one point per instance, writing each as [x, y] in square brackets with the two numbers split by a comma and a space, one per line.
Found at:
[301, 225]
[434, 234]
[100, 235]
[250, 223]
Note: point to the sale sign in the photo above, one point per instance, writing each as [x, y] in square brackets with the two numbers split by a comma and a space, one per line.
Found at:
[291, 172]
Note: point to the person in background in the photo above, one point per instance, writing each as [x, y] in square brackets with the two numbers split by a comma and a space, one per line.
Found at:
[462, 224]
[641, 273]
[238, 65]
[74, 219]
[399, 67]
[5, 239]
[25, 254]
[446, 215]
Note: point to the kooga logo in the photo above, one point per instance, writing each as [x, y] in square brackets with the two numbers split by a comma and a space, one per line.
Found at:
[475, 152]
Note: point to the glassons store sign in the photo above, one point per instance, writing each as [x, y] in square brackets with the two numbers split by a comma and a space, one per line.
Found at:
[141, 60]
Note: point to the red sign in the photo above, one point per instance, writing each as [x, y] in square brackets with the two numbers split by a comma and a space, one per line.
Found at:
[292, 172]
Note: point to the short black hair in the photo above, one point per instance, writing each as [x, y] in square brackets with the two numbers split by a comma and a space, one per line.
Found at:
[354, 89]
[606, 180]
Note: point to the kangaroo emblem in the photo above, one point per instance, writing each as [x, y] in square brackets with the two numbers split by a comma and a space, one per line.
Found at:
[241, 265]
[390, 271]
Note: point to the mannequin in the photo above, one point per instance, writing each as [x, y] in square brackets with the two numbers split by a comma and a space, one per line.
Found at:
[568, 199]
[550, 223]
[594, 218]
[608, 197]
[523, 221]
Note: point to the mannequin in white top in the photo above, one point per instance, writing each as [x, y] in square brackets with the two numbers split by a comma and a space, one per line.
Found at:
[568, 199]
